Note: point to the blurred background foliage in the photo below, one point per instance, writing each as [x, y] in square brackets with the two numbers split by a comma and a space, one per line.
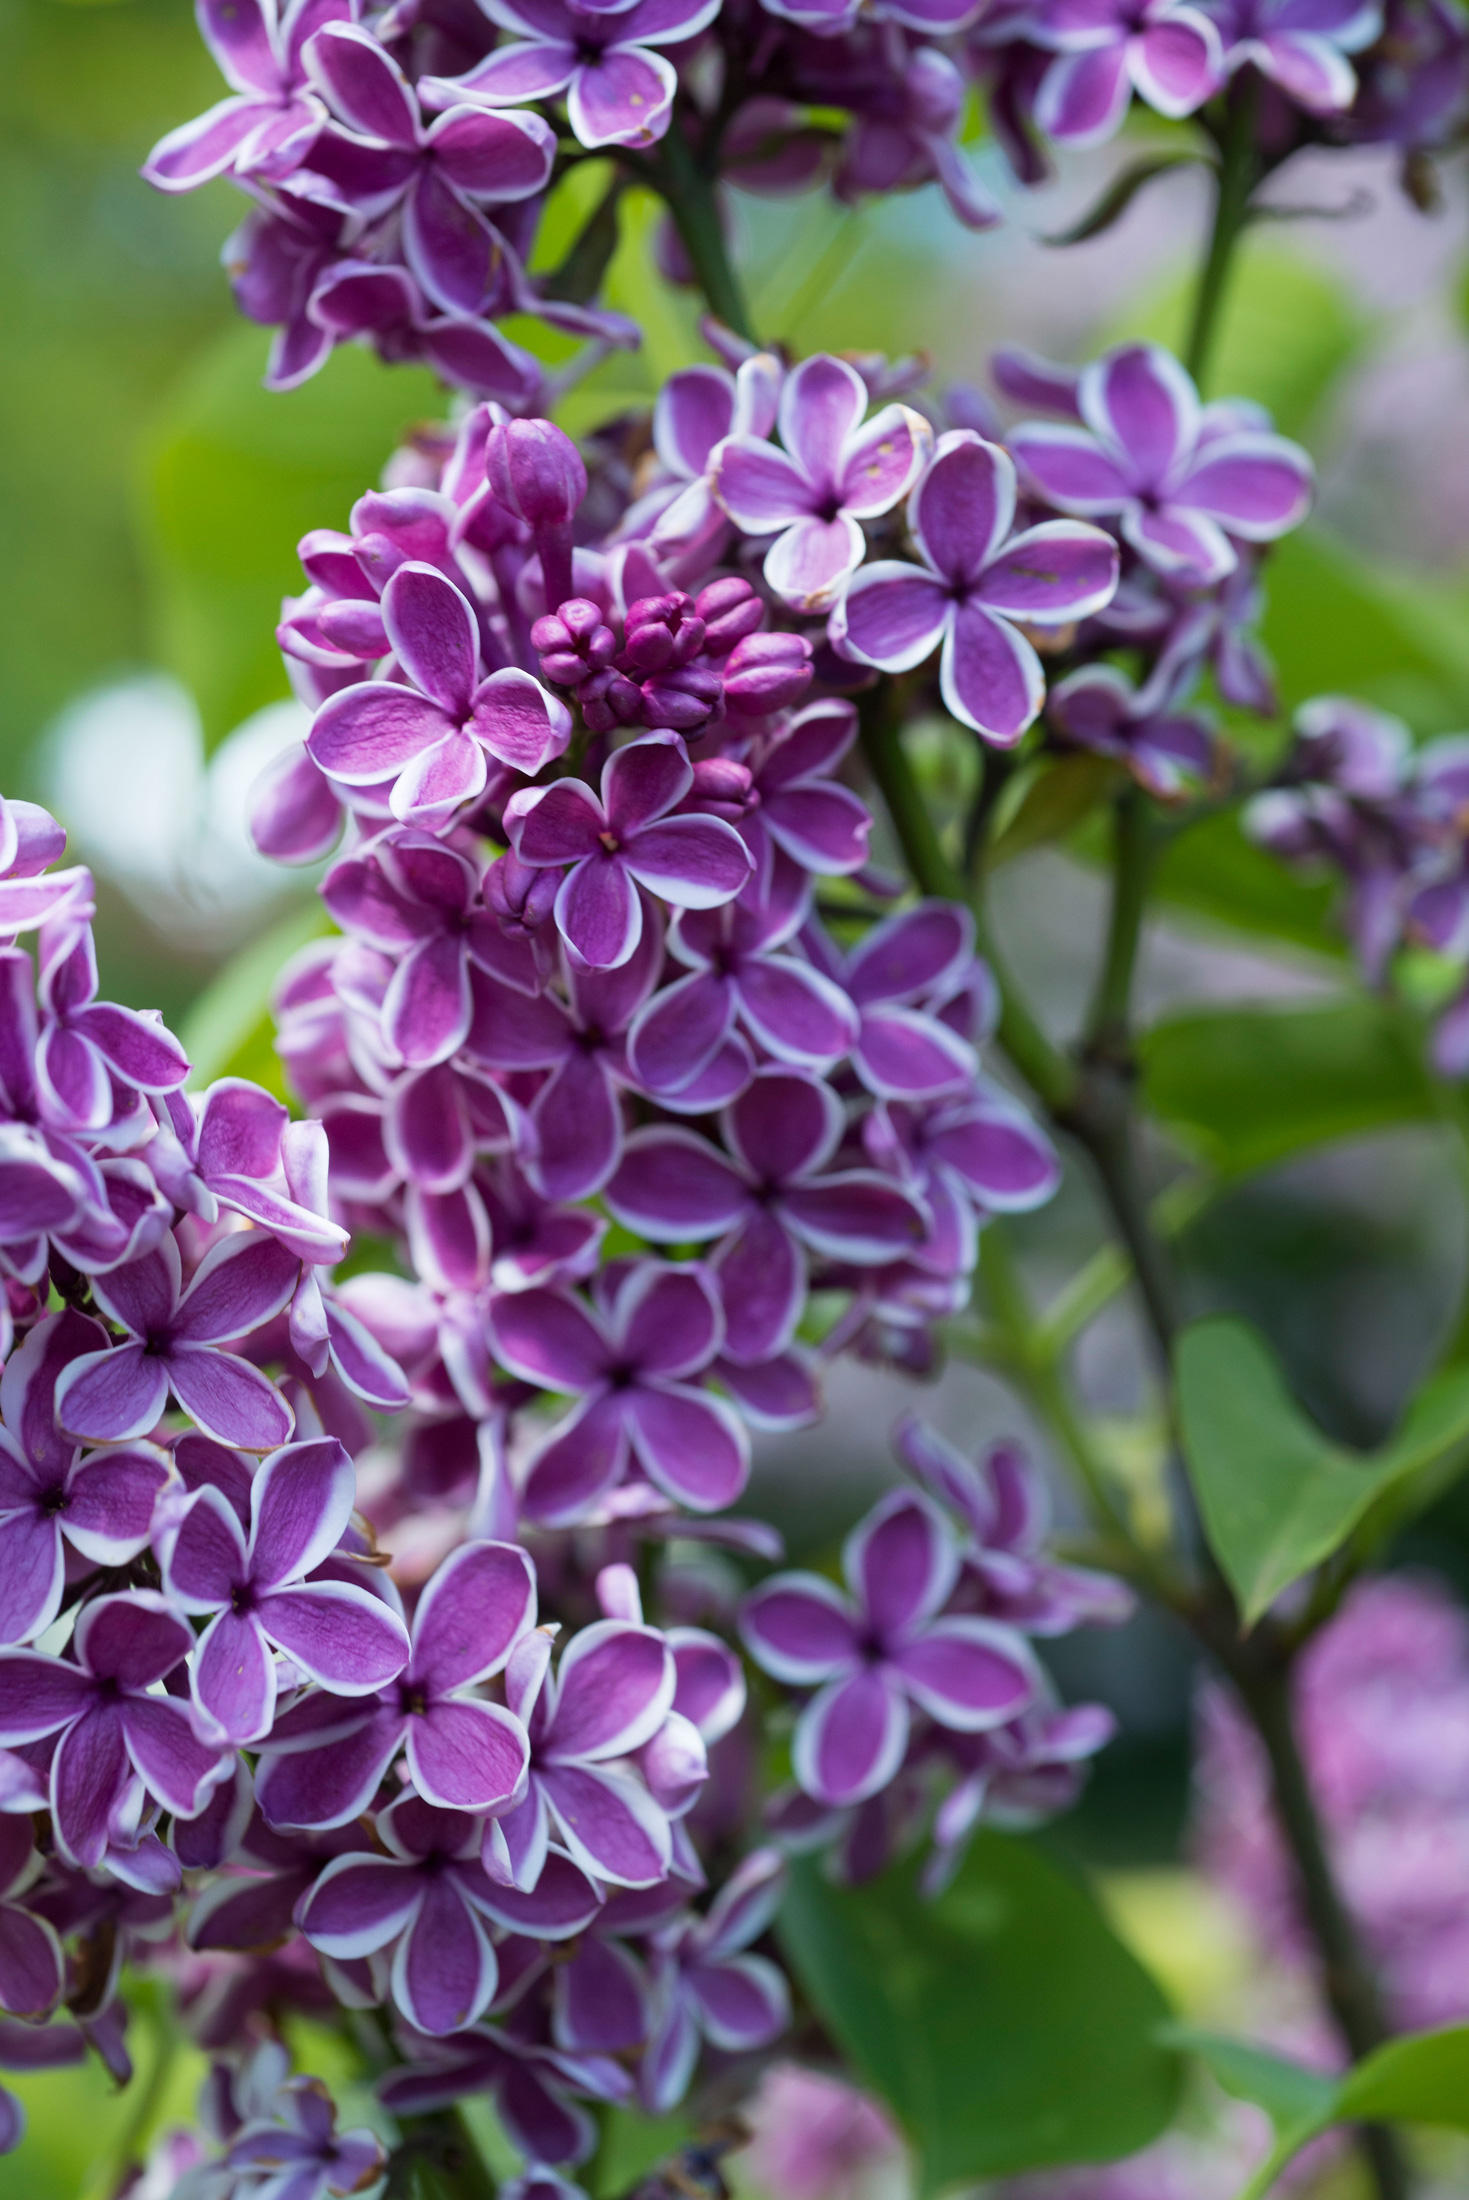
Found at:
[152, 496]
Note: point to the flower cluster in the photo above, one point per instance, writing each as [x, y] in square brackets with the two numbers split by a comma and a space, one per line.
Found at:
[1359, 801]
[924, 1685]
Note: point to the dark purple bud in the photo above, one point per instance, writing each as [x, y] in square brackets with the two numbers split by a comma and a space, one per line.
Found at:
[535, 470]
[730, 609]
[685, 697]
[609, 699]
[574, 642]
[766, 672]
[722, 788]
[520, 896]
[661, 631]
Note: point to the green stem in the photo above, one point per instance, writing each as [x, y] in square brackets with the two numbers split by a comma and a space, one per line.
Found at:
[687, 188]
[1239, 172]
[1134, 847]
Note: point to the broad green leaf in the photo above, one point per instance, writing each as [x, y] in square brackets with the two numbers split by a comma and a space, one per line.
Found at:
[228, 1032]
[1335, 625]
[1423, 2079]
[1278, 1497]
[1212, 870]
[234, 475]
[1244, 1087]
[1290, 2094]
[1004, 2023]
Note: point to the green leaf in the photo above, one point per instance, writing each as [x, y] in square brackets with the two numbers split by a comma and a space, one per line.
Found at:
[1118, 196]
[234, 475]
[1059, 796]
[1244, 1087]
[1336, 626]
[1278, 1497]
[1004, 2023]
[631, 2146]
[1289, 2093]
[229, 1031]
[1423, 2079]
[1212, 870]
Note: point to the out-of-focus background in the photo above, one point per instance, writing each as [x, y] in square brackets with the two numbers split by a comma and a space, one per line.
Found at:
[152, 494]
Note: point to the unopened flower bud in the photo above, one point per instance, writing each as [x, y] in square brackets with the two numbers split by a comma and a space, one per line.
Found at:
[730, 609]
[685, 697]
[722, 788]
[520, 896]
[609, 699]
[766, 672]
[661, 631]
[574, 642]
[354, 625]
[535, 470]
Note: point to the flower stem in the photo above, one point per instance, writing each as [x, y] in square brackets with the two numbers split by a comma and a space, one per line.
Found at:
[686, 185]
[1239, 172]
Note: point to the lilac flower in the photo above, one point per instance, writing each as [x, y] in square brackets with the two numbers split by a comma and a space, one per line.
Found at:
[1181, 479]
[432, 738]
[910, 136]
[832, 473]
[738, 974]
[529, 2084]
[769, 1201]
[338, 1635]
[880, 1649]
[628, 1366]
[1014, 1777]
[705, 1984]
[266, 129]
[102, 1505]
[618, 91]
[172, 1344]
[611, 1692]
[1168, 751]
[422, 1899]
[693, 413]
[386, 159]
[1300, 45]
[965, 1159]
[1002, 1506]
[86, 1044]
[297, 2152]
[30, 839]
[575, 1120]
[1168, 53]
[230, 1156]
[116, 1738]
[899, 976]
[976, 585]
[326, 1758]
[32, 1966]
[811, 817]
[626, 840]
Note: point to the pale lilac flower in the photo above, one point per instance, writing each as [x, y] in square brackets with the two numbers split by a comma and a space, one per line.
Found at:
[706, 1985]
[625, 840]
[338, 1635]
[266, 129]
[297, 2153]
[832, 473]
[101, 1504]
[1169, 752]
[769, 1199]
[1299, 45]
[433, 738]
[815, 2138]
[172, 1344]
[326, 1759]
[1168, 53]
[976, 587]
[575, 1120]
[423, 1899]
[610, 1693]
[116, 1738]
[629, 1367]
[881, 1650]
[437, 177]
[618, 90]
[1181, 479]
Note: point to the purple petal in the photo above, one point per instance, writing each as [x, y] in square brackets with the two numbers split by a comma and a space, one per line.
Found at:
[880, 461]
[556, 824]
[680, 1031]
[850, 1738]
[171, 1761]
[302, 1499]
[794, 1012]
[511, 77]
[365, 734]
[759, 486]
[1070, 468]
[1255, 486]
[449, 246]
[609, 1823]
[783, 1126]
[31, 1964]
[807, 565]
[900, 1563]
[234, 1679]
[1177, 62]
[799, 1628]
[331, 1782]
[88, 1774]
[229, 1399]
[467, 1756]
[203, 148]
[600, 2000]
[743, 2002]
[690, 1444]
[471, 1615]
[31, 1574]
[824, 829]
[614, 1690]
[967, 1673]
[1084, 96]
[521, 723]
[110, 1501]
[821, 407]
[205, 1558]
[990, 676]
[38, 1694]
[133, 1638]
[856, 1215]
[444, 1973]
[598, 909]
[241, 1283]
[1004, 1161]
[340, 1636]
[963, 507]
[549, 1338]
[562, 1903]
[668, 1320]
[1183, 545]
[623, 97]
[1143, 406]
[762, 1284]
[579, 1462]
[361, 84]
[107, 1397]
[359, 1904]
[673, 1185]
[577, 1123]
[501, 157]
[1052, 574]
[779, 1393]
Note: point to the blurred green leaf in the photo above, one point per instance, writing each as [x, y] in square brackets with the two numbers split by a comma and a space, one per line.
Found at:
[631, 2145]
[1004, 2023]
[229, 1031]
[1213, 870]
[233, 475]
[1288, 331]
[1336, 626]
[1420, 2080]
[1289, 2093]
[1244, 1087]
[1278, 1497]
[1058, 798]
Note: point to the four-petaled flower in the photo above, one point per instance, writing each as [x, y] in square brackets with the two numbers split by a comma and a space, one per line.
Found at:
[706, 1985]
[882, 1651]
[977, 587]
[266, 127]
[1167, 52]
